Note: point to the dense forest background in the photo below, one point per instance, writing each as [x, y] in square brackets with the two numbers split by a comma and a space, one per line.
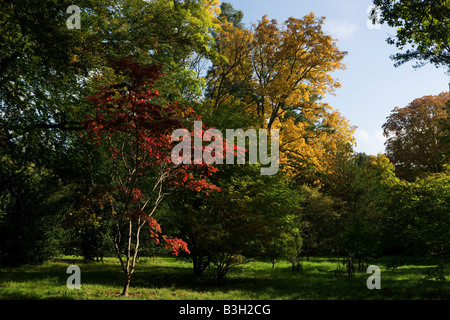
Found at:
[86, 117]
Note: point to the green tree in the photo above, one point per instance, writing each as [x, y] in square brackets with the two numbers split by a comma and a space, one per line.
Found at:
[423, 29]
[47, 71]
[320, 217]
[418, 221]
[32, 201]
[373, 180]
[90, 223]
[244, 219]
[360, 186]
[232, 15]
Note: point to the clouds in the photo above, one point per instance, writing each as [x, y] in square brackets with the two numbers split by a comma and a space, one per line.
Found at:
[341, 29]
[370, 142]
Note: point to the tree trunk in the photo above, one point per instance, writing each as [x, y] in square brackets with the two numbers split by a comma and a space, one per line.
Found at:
[127, 285]
[131, 255]
[198, 265]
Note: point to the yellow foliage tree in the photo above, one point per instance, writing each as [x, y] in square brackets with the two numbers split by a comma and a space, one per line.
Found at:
[279, 73]
[273, 67]
[310, 149]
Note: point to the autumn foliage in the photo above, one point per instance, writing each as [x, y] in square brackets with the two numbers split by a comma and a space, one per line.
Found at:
[135, 133]
[416, 139]
[279, 72]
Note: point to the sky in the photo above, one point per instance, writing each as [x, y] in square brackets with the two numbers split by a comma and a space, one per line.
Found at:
[371, 86]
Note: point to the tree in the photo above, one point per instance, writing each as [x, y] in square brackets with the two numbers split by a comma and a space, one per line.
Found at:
[351, 206]
[310, 145]
[246, 218]
[279, 74]
[46, 68]
[231, 15]
[416, 142]
[418, 219]
[254, 212]
[319, 216]
[280, 67]
[373, 179]
[90, 223]
[445, 123]
[136, 135]
[47, 71]
[424, 26]
[32, 202]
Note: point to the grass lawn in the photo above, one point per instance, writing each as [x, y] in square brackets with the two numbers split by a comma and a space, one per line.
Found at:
[171, 278]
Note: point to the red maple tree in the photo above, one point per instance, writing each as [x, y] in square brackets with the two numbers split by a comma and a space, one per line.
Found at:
[136, 135]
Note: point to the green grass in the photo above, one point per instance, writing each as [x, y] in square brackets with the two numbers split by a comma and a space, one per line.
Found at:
[171, 278]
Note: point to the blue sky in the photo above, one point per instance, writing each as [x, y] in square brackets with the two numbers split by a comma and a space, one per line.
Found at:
[371, 85]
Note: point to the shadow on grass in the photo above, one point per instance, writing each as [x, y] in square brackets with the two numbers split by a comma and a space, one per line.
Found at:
[316, 281]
